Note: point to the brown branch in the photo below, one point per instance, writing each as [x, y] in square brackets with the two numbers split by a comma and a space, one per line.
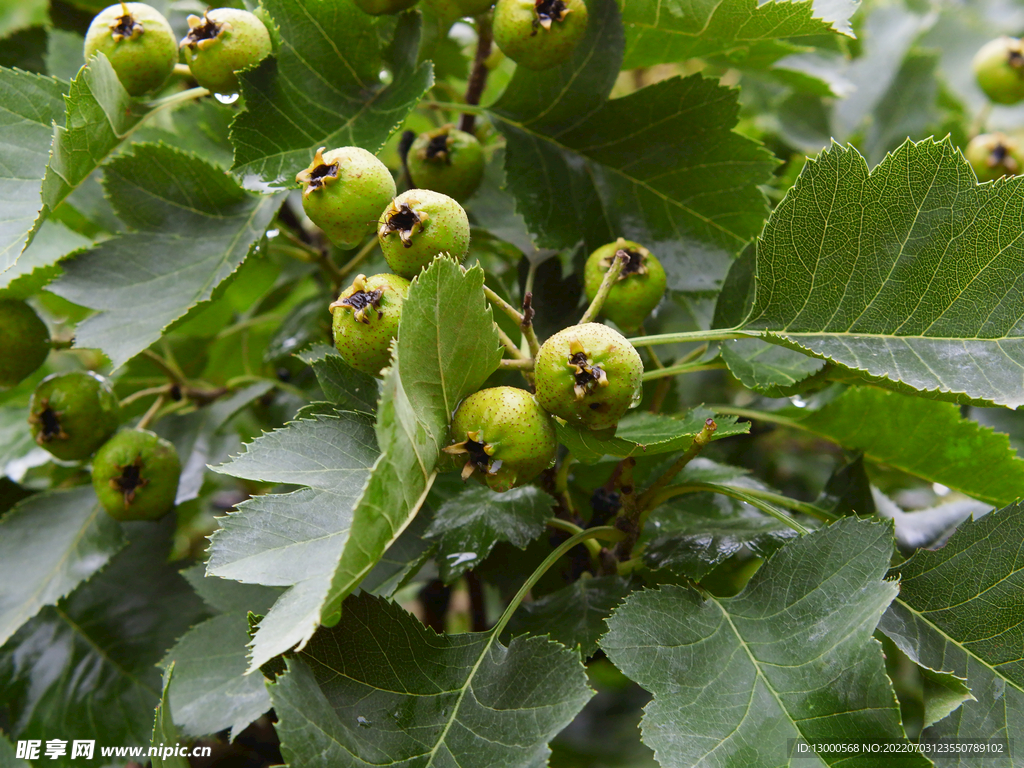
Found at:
[478, 76]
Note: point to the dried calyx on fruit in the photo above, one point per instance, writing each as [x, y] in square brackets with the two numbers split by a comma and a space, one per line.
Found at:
[221, 43]
[137, 41]
[448, 161]
[420, 225]
[73, 414]
[588, 375]
[539, 34]
[502, 437]
[344, 191]
[24, 342]
[994, 155]
[999, 70]
[377, 7]
[638, 289]
[366, 317]
[135, 475]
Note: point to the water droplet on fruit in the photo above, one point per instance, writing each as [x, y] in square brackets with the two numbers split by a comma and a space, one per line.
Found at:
[226, 98]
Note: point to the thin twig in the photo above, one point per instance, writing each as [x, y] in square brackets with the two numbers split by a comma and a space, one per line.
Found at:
[478, 76]
[610, 277]
[149, 416]
[510, 346]
[503, 305]
[519, 364]
[674, 370]
[699, 441]
[349, 266]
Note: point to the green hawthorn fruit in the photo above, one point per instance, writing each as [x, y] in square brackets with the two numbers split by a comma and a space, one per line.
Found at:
[135, 475]
[24, 342]
[138, 42]
[448, 161]
[73, 414]
[344, 191]
[999, 70]
[994, 155]
[505, 434]
[223, 42]
[539, 34]
[420, 225]
[639, 288]
[588, 375]
[377, 7]
[366, 317]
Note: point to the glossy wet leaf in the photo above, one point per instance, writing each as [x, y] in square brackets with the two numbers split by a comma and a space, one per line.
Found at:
[164, 732]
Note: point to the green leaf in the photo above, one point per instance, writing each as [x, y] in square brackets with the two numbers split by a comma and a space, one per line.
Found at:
[295, 539]
[903, 273]
[49, 544]
[660, 166]
[164, 733]
[100, 115]
[224, 595]
[959, 611]
[343, 385]
[848, 491]
[943, 695]
[8, 756]
[37, 264]
[380, 688]
[15, 436]
[772, 370]
[734, 678]
[925, 438]
[324, 88]
[692, 533]
[194, 227]
[447, 347]
[574, 615]
[468, 526]
[86, 668]
[647, 434]
[403, 559]
[210, 690]
[30, 105]
[670, 31]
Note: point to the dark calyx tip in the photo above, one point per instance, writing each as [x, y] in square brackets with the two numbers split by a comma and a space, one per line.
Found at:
[319, 175]
[130, 480]
[50, 420]
[125, 26]
[635, 261]
[361, 301]
[208, 30]
[437, 149]
[478, 456]
[550, 10]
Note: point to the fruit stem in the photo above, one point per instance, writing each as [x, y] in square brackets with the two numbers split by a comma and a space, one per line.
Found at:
[522, 364]
[149, 416]
[980, 120]
[355, 261]
[62, 343]
[701, 439]
[177, 98]
[475, 109]
[181, 70]
[601, 532]
[763, 500]
[478, 76]
[509, 344]
[161, 390]
[606, 285]
[672, 370]
[564, 525]
[172, 371]
[503, 305]
[678, 338]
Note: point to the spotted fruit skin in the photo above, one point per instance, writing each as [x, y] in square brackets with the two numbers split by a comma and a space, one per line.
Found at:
[221, 43]
[366, 317]
[420, 225]
[344, 192]
[24, 342]
[448, 161]
[571, 387]
[999, 70]
[994, 155]
[514, 439]
[638, 290]
[539, 34]
[73, 414]
[135, 475]
[378, 7]
[145, 57]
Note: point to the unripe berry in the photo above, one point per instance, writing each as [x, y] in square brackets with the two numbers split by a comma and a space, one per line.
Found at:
[420, 225]
[24, 342]
[73, 414]
[344, 191]
[223, 42]
[639, 288]
[377, 7]
[502, 437]
[135, 475]
[993, 155]
[366, 317]
[138, 42]
[539, 34]
[999, 69]
[448, 161]
[588, 375]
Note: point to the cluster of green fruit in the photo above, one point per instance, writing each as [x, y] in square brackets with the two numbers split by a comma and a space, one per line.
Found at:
[76, 415]
[143, 50]
[536, 34]
[999, 71]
